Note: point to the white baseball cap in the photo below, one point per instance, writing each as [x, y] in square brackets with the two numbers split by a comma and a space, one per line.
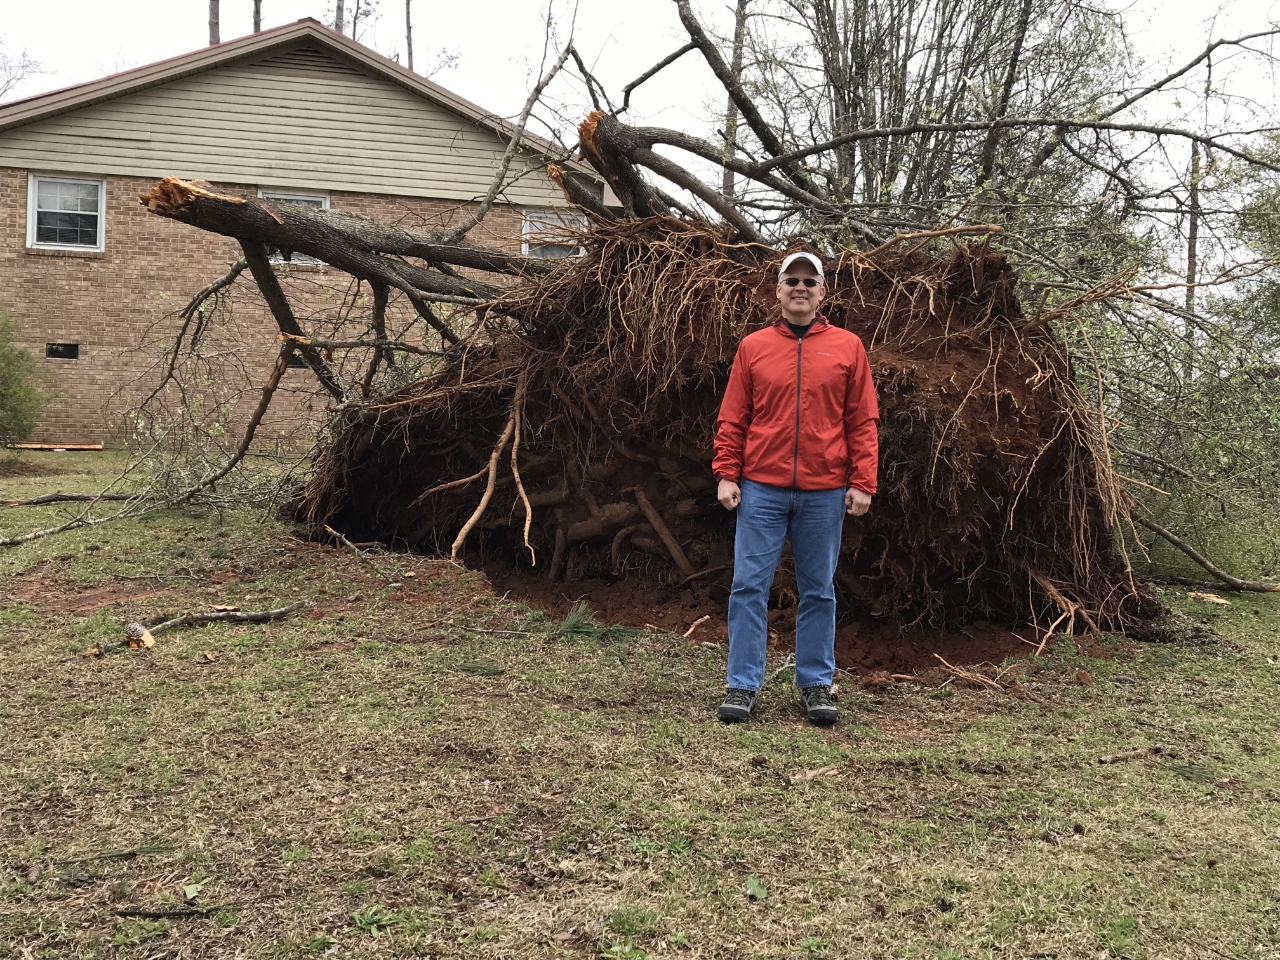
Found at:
[793, 257]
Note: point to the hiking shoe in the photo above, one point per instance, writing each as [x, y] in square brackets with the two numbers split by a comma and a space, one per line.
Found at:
[819, 706]
[737, 705]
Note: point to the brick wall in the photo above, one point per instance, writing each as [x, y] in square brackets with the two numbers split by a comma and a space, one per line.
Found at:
[119, 306]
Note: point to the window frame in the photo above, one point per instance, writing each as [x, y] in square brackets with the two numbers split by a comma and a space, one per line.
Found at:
[289, 195]
[33, 182]
[566, 218]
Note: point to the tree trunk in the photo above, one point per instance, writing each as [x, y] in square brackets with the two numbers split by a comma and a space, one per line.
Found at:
[215, 30]
[257, 16]
[731, 114]
[408, 32]
[1193, 227]
[338, 17]
[363, 247]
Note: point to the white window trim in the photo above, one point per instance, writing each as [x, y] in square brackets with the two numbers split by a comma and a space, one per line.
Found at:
[267, 193]
[32, 177]
[568, 217]
[299, 259]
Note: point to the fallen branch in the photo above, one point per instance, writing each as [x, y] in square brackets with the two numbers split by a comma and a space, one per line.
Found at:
[76, 523]
[223, 616]
[61, 497]
[1235, 583]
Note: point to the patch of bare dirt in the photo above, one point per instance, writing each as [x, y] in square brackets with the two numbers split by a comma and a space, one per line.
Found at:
[13, 467]
[54, 597]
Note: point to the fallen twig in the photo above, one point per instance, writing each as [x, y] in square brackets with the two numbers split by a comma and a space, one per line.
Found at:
[968, 675]
[143, 849]
[786, 665]
[359, 553]
[168, 914]
[695, 625]
[1131, 754]
[814, 774]
[233, 616]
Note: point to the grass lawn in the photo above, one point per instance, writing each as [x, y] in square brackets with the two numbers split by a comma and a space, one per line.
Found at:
[427, 769]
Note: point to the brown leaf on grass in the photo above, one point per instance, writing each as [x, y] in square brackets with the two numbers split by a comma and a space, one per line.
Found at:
[144, 642]
[211, 657]
[94, 651]
[1209, 598]
[814, 774]
[1084, 678]
[225, 608]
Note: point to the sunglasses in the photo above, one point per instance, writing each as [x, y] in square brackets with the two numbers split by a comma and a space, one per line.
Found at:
[809, 282]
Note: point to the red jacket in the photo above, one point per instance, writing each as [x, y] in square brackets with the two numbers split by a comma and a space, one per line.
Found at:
[799, 412]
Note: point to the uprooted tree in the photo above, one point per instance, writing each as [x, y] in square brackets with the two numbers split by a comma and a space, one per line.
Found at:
[562, 412]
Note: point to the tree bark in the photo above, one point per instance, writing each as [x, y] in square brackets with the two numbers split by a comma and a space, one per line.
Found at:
[215, 27]
[731, 111]
[339, 18]
[257, 16]
[408, 32]
[1006, 94]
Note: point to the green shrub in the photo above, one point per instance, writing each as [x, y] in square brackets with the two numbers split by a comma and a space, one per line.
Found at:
[19, 399]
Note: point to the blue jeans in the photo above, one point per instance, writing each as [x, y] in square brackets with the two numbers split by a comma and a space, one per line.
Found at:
[766, 517]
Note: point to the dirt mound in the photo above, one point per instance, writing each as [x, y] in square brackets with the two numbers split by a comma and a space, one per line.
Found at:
[572, 442]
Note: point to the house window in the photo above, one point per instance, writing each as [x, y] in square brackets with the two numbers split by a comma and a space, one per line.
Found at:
[316, 201]
[546, 230]
[62, 351]
[65, 213]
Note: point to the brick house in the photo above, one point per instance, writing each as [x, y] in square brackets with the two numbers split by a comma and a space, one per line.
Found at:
[300, 114]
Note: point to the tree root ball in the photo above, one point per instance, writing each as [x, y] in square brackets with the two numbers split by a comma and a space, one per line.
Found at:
[601, 381]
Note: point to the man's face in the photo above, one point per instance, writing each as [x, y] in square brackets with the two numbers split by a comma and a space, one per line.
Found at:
[797, 299]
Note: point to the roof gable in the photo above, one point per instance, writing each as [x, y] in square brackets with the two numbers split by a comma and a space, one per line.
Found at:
[379, 110]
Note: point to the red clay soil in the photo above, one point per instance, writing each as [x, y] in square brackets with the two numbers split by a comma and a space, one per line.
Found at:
[863, 647]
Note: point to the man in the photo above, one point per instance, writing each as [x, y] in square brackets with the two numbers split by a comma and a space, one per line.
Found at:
[796, 449]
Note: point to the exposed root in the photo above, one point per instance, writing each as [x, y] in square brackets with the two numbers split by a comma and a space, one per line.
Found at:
[498, 447]
[517, 411]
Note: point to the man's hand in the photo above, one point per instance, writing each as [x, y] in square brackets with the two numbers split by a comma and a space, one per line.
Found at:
[730, 495]
[856, 502]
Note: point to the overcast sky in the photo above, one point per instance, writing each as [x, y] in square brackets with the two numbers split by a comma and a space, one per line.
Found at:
[499, 43]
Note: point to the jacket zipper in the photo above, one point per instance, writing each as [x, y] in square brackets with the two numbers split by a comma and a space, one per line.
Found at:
[795, 461]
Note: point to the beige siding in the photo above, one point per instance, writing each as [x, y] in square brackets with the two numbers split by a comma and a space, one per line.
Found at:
[301, 118]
